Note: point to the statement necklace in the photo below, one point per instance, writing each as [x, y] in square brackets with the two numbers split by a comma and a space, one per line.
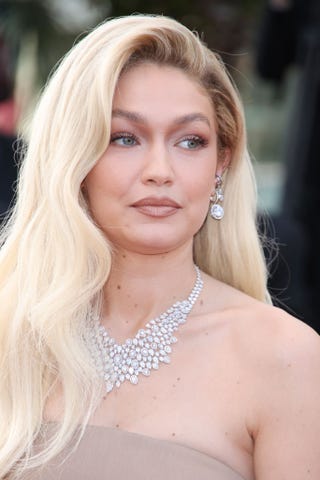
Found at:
[146, 351]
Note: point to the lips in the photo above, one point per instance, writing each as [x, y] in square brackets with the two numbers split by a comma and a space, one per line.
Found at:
[157, 206]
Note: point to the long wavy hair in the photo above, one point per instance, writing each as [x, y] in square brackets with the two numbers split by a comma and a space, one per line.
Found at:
[54, 260]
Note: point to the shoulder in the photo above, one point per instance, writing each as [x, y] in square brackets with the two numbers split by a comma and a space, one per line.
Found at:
[277, 360]
[273, 339]
[261, 331]
[281, 356]
[276, 349]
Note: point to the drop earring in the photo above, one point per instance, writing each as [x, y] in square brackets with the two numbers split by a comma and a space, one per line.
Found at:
[216, 210]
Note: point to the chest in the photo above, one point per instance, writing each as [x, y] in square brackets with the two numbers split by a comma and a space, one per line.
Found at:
[200, 399]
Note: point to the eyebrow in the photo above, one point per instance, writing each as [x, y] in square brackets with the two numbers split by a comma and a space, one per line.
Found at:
[137, 118]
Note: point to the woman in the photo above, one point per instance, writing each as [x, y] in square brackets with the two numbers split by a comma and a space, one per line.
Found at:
[136, 177]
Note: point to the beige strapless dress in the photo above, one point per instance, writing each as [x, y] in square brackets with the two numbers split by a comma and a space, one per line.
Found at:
[112, 454]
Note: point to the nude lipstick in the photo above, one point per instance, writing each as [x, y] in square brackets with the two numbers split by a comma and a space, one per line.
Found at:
[157, 206]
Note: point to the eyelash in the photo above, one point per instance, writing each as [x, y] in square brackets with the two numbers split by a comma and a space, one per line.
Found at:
[202, 142]
[117, 136]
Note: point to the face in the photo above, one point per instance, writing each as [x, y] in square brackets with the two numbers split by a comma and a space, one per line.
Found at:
[150, 190]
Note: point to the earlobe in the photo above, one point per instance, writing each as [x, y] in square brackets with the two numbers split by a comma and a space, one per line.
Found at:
[224, 161]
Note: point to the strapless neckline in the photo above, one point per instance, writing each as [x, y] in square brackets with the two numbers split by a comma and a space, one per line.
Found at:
[112, 453]
[162, 441]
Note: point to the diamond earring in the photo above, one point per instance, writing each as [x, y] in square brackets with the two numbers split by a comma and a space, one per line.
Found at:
[216, 210]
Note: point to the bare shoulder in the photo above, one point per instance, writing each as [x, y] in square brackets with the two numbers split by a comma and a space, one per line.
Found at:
[263, 332]
[273, 339]
[270, 333]
[280, 356]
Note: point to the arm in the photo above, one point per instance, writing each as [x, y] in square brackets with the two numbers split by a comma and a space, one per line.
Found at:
[287, 439]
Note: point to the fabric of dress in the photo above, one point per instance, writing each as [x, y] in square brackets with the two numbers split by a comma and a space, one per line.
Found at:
[112, 454]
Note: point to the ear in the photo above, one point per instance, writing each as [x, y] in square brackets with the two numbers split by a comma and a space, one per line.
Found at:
[83, 190]
[224, 161]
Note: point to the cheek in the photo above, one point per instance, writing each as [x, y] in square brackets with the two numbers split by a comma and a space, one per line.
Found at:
[200, 186]
[198, 193]
[105, 180]
[201, 177]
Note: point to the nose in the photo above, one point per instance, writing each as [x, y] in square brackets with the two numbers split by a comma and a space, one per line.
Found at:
[157, 167]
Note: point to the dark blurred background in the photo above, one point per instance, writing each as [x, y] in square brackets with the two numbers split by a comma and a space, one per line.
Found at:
[272, 50]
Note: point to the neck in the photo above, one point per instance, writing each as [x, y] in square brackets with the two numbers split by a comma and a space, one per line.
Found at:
[140, 287]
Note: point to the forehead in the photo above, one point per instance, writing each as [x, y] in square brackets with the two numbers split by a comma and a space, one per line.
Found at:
[149, 88]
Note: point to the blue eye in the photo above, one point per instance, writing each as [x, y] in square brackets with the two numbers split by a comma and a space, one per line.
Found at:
[124, 140]
[193, 143]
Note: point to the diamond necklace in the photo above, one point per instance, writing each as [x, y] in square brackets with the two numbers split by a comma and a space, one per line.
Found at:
[146, 351]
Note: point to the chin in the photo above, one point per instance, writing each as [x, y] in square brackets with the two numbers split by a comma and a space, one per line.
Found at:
[152, 239]
[154, 244]
[156, 247]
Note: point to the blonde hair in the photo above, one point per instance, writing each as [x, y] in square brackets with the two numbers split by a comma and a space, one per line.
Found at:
[54, 260]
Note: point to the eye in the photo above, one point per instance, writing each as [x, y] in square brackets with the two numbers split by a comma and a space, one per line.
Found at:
[193, 142]
[124, 139]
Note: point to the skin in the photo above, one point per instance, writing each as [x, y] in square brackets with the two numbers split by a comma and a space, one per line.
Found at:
[156, 151]
[243, 384]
